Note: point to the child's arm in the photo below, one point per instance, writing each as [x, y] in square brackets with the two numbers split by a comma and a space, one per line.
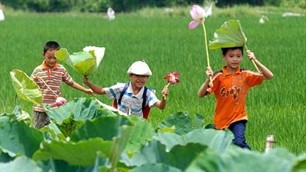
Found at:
[97, 89]
[81, 88]
[263, 69]
[162, 104]
[203, 89]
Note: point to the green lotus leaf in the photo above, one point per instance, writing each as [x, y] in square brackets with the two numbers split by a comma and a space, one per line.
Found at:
[83, 62]
[62, 54]
[25, 87]
[230, 34]
[97, 53]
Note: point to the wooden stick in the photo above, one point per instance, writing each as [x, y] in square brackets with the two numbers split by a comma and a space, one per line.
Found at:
[164, 96]
[46, 85]
[252, 59]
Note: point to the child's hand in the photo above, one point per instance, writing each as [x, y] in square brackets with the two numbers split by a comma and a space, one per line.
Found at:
[89, 91]
[209, 72]
[165, 92]
[251, 55]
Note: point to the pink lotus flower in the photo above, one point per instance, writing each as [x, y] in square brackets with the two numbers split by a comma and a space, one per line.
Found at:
[60, 101]
[198, 15]
[172, 78]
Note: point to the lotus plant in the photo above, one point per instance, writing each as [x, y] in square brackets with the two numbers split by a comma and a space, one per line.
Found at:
[198, 15]
[85, 62]
[172, 78]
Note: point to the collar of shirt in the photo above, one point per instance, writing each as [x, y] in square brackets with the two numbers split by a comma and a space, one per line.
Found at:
[44, 66]
[138, 95]
[226, 72]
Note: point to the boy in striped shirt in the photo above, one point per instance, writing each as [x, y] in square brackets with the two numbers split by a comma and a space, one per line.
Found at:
[49, 76]
[230, 86]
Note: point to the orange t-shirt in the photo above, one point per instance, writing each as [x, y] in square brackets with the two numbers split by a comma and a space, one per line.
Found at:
[230, 92]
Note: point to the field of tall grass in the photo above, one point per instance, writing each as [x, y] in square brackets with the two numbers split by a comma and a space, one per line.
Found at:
[161, 39]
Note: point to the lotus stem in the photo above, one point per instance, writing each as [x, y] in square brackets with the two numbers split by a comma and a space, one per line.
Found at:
[168, 84]
[46, 85]
[206, 47]
[164, 96]
[207, 54]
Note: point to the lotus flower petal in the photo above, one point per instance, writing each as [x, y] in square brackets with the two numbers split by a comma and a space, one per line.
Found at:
[60, 101]
[193, 24]
[197, 13]
[172, 78]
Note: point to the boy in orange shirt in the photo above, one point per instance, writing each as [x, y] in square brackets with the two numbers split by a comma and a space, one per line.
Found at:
[230, 86]
[49, 76]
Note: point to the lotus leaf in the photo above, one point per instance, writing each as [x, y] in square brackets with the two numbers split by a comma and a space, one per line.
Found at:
[84, 62]
[62, 54]
[25, 87]
[230, 34]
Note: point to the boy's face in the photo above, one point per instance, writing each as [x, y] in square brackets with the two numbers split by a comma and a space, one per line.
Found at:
[50, 59]
[138, 81]
[233, 58]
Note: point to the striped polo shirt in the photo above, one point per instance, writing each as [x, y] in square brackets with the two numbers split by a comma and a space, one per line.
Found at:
[130, 102]
[49, 81]
[231, 92]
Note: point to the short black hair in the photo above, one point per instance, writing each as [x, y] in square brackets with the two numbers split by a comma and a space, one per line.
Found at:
[224, 50]
[51, 45]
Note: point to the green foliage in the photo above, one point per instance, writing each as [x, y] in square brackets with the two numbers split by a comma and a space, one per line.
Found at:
[131, 143]
[273, 2]
[97, 6]
[93, 5]
[167, 45]
[230, 34]
[182, 122]
[293, 3]
[17, 138]
[25, 87]
[85, 62]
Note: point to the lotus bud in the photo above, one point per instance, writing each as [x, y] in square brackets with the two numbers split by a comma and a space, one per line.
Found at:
[60, 101]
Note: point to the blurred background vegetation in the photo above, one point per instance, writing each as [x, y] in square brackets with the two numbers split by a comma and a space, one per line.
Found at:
[96, 6]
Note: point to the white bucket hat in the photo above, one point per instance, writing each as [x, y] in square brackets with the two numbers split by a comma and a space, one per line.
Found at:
[139, 68]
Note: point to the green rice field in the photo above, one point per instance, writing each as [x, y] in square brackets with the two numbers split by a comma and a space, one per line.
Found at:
[276, 107]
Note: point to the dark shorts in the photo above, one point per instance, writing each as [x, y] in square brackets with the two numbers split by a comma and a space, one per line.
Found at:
[41, 119]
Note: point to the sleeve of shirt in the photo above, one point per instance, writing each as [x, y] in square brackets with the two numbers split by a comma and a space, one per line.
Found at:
[254, 78]
[113, 92]
[66, 77]
[151, 97]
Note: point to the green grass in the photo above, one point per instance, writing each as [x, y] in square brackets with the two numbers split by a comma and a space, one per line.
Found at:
[276, 107]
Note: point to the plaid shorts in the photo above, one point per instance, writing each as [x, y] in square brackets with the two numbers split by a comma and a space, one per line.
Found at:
[41, 119]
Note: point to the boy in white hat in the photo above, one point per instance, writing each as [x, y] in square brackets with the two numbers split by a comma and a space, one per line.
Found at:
[133, 97]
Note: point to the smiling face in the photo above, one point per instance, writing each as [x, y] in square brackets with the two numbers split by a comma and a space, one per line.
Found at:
[50, 59]
[233, 58]
[138, 81]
